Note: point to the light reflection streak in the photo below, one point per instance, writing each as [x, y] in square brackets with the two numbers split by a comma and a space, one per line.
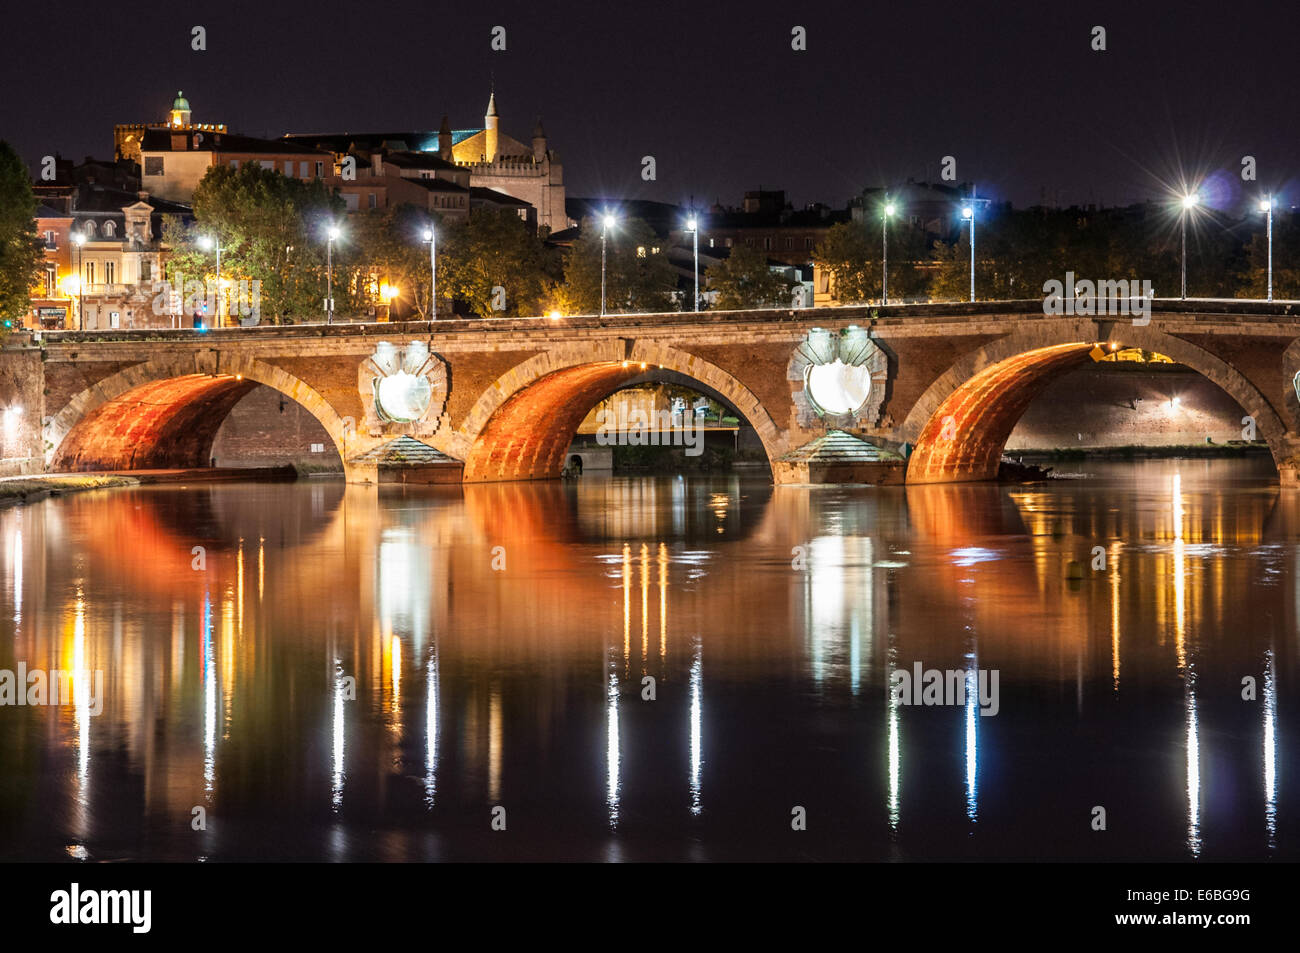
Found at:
[612, 754]
[494, 744]
[663, 603]
[697, 691]
[336, 786]
[209, 698]
[81, 699]
[1270, 749]
[1193, 769]
[431, 728]
[627, 605]
[972, 741]
[16, 560]
[895, 748]
[645, 603]
[261, 566]
[1114, 614]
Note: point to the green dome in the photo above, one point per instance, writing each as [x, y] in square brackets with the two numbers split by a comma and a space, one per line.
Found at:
[181, 102]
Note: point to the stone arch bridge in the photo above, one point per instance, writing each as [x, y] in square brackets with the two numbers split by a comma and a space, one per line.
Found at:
[500, 399]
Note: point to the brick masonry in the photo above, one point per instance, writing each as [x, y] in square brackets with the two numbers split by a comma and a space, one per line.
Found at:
[517, 388]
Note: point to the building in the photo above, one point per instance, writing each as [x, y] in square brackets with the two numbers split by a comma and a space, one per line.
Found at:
[105, 278]
[53, 302]
[128, 137]
[528, 173]
[173, 163]
[768, 223]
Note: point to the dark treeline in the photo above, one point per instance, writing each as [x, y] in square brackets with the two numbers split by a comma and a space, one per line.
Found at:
[1017, 250]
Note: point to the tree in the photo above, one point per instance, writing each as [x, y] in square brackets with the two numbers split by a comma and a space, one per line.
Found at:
[638, 276]
[20, 249]
[271, 230]
[847, 253]
[495, 249]
[851, 252]
[744, 280]
[391, 250]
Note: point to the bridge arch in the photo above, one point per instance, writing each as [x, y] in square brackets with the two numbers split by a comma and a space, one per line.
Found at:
[165, 413]
[521, 425]
[961, 423]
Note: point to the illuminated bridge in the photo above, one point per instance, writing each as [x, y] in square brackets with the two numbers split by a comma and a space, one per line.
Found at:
[936, 389]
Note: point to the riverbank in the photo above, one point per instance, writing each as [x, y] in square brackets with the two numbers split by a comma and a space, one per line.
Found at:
[32, 489]
[1171, 452]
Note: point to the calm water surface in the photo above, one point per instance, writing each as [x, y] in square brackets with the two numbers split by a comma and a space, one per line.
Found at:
[514, 676]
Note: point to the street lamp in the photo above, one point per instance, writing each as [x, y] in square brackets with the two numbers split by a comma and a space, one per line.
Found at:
[608, 222]
[1190, 201]
[79, 239]
[1266, 206]
[331, 236]
[694, 226]
[207, 242]
[884, 252]
[968, 213]
[432, 239]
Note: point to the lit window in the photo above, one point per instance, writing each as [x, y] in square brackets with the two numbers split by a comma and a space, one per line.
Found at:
[110, 272]
[640, 251]
[109, 229]
[89, 228]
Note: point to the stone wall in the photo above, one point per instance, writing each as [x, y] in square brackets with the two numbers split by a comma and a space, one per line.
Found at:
[1118, 404]
[22, 405]
[268, 429]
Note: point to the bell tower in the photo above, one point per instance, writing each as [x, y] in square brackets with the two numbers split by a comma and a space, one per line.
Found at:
[490, 133]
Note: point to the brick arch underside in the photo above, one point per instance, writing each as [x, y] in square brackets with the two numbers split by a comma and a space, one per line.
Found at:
[160, 424]
[963, 439]
[527, 437]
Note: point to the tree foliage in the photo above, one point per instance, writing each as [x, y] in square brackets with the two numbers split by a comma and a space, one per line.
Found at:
[495, 249]
[20, 249]
[637, 277]
[744, 280]
[271, 229]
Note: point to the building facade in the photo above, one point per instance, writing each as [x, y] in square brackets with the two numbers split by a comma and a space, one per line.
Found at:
[495, 161]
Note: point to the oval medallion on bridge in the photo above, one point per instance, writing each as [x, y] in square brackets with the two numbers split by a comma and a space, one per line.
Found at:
[843, 374]
[403, 389]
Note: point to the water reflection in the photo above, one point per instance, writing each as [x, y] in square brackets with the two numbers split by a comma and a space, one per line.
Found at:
[393, 676]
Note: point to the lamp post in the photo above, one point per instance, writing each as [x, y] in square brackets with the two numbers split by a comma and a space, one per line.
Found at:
[206, 242]
[432, 239]
[608, 222]
[331, 236]
[968, 213]
[1190, 201]
[1266, 206]
[884, 252]
[79, 239]
[694, 225]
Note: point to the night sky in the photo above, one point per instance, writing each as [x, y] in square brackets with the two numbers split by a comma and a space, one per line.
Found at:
[712, 90]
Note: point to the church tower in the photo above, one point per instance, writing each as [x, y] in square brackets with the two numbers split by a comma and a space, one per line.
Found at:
[490, 129]
[539, 141]
[444, 140]
[180, 112]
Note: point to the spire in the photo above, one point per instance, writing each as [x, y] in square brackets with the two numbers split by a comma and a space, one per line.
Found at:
[490, 135]
[444, 139]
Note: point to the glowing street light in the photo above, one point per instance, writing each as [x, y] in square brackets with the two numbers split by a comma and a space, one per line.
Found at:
[1190, 201]
[693, 226]
[432, 239]
[79, 239]
[207, 242]
[968, 213]
[1266, 206]
[331, 236]
[884, 252]
[608, 222]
